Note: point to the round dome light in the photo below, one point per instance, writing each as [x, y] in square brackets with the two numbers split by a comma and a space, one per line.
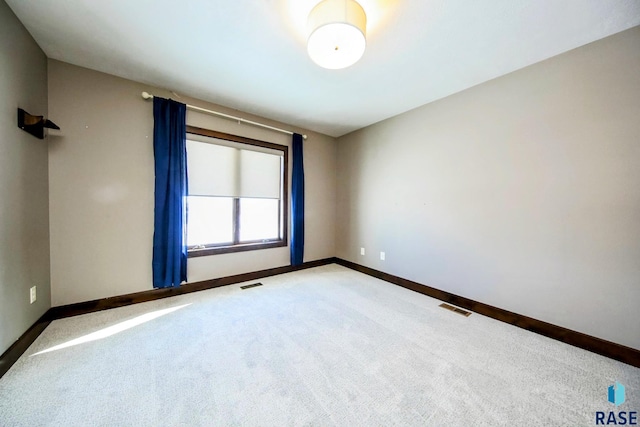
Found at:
[336, 33]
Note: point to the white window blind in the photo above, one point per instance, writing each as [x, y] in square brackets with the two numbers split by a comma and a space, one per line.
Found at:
[227, 169]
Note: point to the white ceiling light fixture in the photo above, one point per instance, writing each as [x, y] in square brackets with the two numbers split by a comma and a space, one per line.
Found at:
[337, 31]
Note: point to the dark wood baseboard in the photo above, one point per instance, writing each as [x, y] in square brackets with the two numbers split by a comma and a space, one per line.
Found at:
[587, 342]
[155, 294]
[16, 350]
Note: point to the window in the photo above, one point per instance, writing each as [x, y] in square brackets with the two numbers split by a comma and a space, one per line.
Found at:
[237, 193]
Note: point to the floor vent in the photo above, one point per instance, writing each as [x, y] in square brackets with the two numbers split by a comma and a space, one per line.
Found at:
[456, 309]
[250, 286]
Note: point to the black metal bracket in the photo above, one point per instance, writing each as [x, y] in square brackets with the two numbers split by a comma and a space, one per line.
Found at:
[34, 124]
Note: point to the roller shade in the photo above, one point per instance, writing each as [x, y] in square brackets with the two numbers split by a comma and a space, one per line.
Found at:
[233, 170]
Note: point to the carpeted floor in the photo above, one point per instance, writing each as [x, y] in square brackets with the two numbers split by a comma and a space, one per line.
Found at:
[324, 346]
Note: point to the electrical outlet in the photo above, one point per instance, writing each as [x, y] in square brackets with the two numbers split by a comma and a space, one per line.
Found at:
[382, 256]
[32, 294]
[361, 251]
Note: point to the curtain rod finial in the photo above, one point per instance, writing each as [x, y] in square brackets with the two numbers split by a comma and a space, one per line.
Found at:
[147, 95]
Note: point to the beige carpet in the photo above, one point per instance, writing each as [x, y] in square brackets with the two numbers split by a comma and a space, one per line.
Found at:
[324, 346]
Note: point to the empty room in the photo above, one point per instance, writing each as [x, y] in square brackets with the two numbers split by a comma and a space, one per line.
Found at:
[319, 213]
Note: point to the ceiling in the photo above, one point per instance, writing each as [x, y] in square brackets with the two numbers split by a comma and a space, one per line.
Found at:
[251, 55]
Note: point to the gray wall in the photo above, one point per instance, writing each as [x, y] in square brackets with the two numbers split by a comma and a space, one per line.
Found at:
[24, 205]
[101, 188]
[522, 193]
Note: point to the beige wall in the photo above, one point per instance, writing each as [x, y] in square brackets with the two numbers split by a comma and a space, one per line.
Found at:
[24, 213]
[522, 193]
[101, 188]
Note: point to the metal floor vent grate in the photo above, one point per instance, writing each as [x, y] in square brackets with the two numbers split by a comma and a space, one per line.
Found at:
[456, 309]
[250, 286]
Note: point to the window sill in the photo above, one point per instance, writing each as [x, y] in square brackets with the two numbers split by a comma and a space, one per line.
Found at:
[215, 250]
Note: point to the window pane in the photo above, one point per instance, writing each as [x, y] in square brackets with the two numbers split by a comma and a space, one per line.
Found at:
[259, 219]
[209, 220]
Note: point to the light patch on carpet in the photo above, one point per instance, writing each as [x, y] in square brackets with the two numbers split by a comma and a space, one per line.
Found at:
[112, 330]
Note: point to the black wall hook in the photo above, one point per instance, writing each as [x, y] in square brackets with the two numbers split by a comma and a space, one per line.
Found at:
[34, 124]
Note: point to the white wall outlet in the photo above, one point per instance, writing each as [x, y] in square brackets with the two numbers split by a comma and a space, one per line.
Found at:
[382, 256]
[361, 251]
[32, 294]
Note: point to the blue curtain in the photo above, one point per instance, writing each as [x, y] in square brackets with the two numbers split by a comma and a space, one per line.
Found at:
[297, 203]
[170, 153]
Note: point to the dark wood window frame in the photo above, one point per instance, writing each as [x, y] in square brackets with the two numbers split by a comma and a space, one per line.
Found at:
[197, 251]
